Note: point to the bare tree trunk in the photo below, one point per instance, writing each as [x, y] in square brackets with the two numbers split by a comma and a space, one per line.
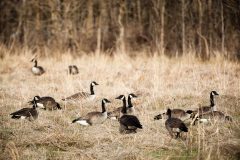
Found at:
[162, 28]
[183, 27]
[89, 25]
[139, 11]
[222, 31]
[210, 27]
[200, 28]
[120, 40]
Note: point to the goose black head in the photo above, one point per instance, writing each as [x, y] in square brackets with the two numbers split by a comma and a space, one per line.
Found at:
[168, 113]
[94, 83]
[157, 117]
[121, 97]
[106, 101]
[214, 93]
[131, 95]
[37, 97]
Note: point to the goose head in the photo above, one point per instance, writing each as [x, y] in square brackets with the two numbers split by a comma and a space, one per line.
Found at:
[132, 95]
[121, 97]
[94, 83]
[106, 101]
[214, 93]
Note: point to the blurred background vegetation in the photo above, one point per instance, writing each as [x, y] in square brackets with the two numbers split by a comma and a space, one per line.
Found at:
[170, 27]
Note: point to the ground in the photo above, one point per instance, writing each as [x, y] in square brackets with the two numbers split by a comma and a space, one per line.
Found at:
[159, 82]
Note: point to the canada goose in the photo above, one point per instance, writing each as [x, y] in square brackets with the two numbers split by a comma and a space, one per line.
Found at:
[205, 109]
[47, 103]
[175, 113]
[174, 125]
[130, 109]
[206, 117]
[128, 123]
[37, 70]
[26, 113]
[94, 117]
[73, 69]
[83, 95]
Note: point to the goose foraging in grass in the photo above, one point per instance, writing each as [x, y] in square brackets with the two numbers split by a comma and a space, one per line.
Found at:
[26, 113]
[175, 113]
[174, 125]
[47, 103]
[94, 117]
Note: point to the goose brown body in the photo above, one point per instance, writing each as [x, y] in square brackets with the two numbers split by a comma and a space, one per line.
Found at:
[213, 115]
[83, 95]
[175, 113]
[26, 113]
[174, 125]
[93, 117]
[128, 123]
[47, 103]
[37, 70]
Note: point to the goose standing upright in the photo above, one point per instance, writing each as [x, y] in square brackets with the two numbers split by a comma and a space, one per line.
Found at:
[115, 114]
[131, 108]
[174, 125]
[128, 123]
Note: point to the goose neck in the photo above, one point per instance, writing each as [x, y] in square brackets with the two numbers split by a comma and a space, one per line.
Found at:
[124, 108]
[212, 100]
[103, 107]
[129, 102]
[91, 90]
[35, 63]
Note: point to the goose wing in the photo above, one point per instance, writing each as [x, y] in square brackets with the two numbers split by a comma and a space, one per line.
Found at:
[79, 95]
[22, 112]
[177, 113]
[130, 120]
[176, 123]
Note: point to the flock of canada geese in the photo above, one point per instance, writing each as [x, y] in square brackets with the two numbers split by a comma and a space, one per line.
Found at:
[129, 122]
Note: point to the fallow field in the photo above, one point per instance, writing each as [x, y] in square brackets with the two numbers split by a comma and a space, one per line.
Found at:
[159, 82]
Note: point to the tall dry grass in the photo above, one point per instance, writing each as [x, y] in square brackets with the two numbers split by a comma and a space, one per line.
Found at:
[161, 83]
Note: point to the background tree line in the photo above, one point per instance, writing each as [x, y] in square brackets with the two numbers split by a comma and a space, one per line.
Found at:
[171, 27]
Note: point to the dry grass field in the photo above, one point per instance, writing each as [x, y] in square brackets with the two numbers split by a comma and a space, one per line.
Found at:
[160, 82]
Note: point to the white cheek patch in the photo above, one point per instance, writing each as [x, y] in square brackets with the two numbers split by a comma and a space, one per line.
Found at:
[104, 101]
[83, 122]
[131, 96]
